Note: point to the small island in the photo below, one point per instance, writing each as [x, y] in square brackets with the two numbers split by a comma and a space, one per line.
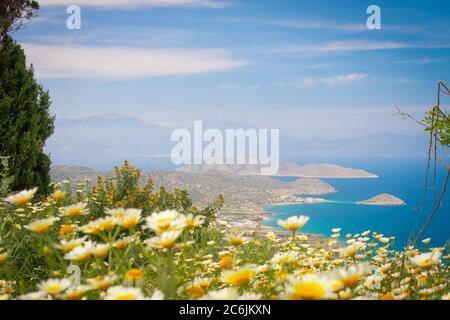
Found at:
[383, 200]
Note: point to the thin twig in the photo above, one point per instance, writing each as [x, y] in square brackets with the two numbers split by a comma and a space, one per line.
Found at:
[432, 147]
[435, 209]
[406, 114]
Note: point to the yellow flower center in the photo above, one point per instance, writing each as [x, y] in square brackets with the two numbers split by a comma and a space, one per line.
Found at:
[76, 295]
[351, 281]
[351, 253]
[100, 253]
[83, 257]
[225, 262]
[65, 229]
[130, 223]
[69, 247]
[53, 289]
[281, 275]
[3, 258]
[128, 296]
[106, 225]
[293, 227]
[425, 263]
[164, 223]
[190, 224]
[42, 228]
[235, 241]
[58, 195]
[387, 296]
[195, 291]
[239, 278]
[134, 274]
[308, 291]
[168, 243]
[103, 285]
[121, 244]
[74, 212]
[22, 201]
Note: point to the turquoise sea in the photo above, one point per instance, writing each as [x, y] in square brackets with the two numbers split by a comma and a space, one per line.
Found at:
[400, 177]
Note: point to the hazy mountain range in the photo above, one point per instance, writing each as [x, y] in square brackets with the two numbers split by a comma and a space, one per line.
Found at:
[106, 140]
[287, 169]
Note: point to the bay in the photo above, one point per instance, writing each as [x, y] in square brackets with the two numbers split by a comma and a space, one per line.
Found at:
[403, 177]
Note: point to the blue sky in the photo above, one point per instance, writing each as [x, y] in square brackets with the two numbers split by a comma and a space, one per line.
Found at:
[311, 69]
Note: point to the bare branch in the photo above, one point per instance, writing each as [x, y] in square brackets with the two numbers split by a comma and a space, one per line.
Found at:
[15, 14]
[436, 111]
[405, 114]
[436, 207]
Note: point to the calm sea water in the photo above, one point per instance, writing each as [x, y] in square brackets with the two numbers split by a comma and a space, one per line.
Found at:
[400, 177]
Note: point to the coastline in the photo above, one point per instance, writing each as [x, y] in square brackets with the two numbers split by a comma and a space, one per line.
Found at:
[315, 239]
[320, 238]
[253, 220]
[300, 200]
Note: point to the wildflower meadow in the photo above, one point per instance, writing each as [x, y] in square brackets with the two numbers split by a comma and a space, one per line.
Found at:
[116, 240]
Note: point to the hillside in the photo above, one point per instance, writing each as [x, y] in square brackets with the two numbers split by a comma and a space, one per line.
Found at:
[239, 190]
[204, 187]
[74, 174]
[245, 196]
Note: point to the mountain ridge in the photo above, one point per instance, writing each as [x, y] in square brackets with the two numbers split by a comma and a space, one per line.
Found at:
[287, 169]
[102, 141]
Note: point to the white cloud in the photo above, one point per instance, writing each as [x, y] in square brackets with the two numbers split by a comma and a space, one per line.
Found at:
[124, 63]
[123, 36]
[339, 46]
[312, 24]
[423, 60]
[350, 46]
[240, 86]
[127, 4]
[339, 80]
[408, 81]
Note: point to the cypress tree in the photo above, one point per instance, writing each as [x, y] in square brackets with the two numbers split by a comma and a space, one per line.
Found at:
[25, 122]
